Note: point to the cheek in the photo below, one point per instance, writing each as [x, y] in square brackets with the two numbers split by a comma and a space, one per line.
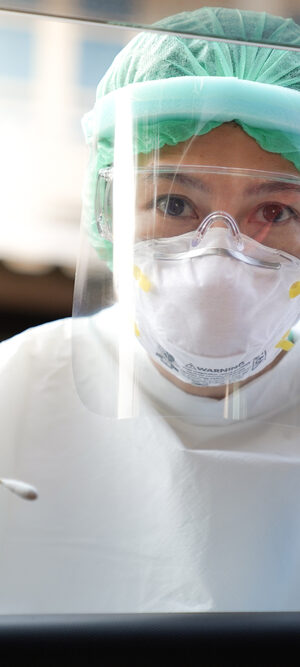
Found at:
[285, 236]
[254, 229]
[291, 242]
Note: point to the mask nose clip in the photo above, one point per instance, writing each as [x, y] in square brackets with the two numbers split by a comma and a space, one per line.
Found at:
[210, 220]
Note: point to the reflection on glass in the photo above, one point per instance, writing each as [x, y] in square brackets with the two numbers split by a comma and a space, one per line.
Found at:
[95, 57]
[142, 13]
[15, 52]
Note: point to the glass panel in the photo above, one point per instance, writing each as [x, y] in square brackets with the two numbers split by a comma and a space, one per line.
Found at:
[192, 505]
[142, 13]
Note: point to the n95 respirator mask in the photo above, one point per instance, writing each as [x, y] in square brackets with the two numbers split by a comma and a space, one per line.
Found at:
[218, 313]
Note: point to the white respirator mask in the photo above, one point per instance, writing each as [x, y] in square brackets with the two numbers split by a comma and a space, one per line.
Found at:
[214, 306]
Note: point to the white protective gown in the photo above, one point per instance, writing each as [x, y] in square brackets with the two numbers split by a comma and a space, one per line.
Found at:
[153, 514]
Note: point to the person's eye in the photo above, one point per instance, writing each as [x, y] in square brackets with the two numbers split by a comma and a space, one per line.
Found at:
[274, 213]
[175, 206]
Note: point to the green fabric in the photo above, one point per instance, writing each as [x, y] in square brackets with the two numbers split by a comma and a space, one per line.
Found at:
[151, 56]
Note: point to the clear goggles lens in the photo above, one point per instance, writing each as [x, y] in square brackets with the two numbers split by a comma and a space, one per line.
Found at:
[173, 201]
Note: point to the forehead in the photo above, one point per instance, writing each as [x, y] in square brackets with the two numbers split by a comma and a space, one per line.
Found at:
[225, 146]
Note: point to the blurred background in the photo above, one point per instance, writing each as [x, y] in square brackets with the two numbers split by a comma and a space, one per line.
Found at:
[49, 69]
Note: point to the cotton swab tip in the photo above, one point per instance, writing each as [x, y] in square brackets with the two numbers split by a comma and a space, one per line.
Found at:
[22, 489]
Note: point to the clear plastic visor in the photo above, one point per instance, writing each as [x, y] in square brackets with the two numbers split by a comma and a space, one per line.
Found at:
[198, 295]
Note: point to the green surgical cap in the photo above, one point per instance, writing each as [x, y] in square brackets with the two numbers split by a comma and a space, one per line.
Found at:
[151, 56]
[159, 56]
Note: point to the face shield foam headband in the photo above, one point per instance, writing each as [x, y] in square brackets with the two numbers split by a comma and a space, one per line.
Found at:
[190, 105]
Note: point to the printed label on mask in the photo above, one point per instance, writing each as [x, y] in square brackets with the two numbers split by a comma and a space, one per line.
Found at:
[205, 376]
[212, 376]
[167, 359]
[258, 360]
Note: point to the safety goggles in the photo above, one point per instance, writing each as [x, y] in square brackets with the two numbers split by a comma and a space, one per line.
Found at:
[183, 203]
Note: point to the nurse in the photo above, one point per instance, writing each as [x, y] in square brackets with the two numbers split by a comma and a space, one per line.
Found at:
[161, 428]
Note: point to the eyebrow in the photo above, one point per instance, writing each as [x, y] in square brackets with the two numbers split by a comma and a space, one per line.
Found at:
[272, 186]
[183, 179]
[199, 184]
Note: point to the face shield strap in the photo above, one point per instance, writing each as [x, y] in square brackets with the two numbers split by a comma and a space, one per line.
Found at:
[229, 243]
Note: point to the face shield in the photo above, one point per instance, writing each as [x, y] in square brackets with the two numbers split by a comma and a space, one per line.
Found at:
[188, 281]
